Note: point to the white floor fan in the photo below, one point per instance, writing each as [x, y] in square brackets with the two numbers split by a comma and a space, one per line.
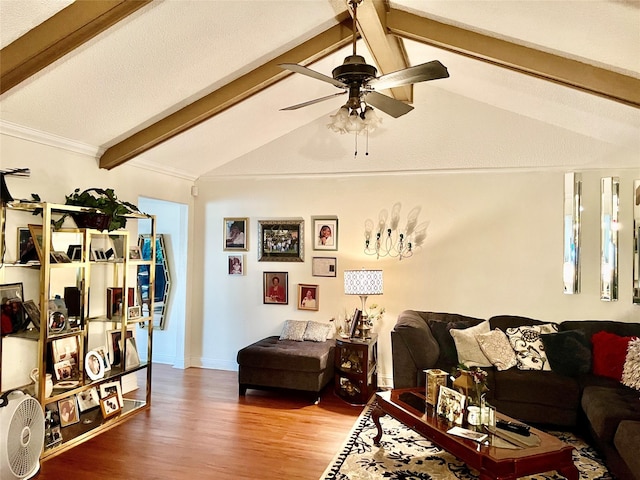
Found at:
[21, 435]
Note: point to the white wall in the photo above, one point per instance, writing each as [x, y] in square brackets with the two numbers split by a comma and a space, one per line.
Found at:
[494, 246]
[54, 173]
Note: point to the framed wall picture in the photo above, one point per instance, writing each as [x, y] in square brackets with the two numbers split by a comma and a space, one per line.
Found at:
[325, 233]
[308, 297]
[236, 233]
[281, 240]
[26, 246]
[236, 265]
[275, 287]
[324, 266]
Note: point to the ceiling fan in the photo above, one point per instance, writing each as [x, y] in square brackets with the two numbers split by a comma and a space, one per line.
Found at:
[359, 80]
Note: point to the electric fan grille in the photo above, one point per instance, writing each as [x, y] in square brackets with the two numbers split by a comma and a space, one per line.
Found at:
[25, 437]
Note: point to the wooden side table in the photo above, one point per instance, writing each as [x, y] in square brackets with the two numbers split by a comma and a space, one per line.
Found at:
[356, 365]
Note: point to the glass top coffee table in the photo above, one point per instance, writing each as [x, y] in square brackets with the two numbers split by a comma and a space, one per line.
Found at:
[494, 463]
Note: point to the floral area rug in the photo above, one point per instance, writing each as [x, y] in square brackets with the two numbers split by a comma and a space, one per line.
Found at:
[406, 455]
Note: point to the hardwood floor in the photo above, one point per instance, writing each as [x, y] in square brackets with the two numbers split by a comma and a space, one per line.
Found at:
[199, 428]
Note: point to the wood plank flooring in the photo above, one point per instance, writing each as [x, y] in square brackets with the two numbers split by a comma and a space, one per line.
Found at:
[199, 428]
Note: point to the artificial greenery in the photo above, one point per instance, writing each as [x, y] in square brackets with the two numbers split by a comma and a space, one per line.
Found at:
[100, 201]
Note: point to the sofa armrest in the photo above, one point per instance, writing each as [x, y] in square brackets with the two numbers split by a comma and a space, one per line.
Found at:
[413, 349]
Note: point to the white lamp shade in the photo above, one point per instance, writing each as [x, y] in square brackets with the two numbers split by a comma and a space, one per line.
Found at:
[363, 282]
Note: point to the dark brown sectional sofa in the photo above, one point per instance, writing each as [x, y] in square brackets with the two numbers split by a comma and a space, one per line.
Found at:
[600, 406]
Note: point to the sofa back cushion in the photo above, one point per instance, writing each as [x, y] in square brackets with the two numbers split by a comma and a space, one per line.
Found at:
[512, 321]
[589, 327]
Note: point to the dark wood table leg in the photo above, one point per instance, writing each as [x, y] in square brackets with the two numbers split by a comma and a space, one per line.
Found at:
[569, 471]
[375, 416]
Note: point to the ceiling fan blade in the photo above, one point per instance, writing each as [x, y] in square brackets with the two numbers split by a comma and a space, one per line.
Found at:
[420, 73]
[294, 67]
[388, 105]
[311, 102]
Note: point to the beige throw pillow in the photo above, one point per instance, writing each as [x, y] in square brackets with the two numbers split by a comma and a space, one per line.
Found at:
[317, 331]
[469, 351]
[495, 345]
[631, 369]
[293, 330]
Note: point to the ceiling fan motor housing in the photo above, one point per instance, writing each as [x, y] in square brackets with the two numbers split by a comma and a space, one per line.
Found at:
[355, 72]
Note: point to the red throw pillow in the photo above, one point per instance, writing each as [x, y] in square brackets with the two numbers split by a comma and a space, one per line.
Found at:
[609, 353]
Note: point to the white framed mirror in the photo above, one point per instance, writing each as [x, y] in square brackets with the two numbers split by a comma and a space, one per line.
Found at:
[572, 209]
[609, 207]
[636, 242]
[162, 285]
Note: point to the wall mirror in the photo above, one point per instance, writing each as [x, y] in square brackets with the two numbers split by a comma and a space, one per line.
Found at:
[609, 205]
[636, 242]
[572, 208]
[162, 285]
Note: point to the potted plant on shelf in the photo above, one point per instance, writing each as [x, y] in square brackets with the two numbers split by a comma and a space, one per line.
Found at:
[105, 210]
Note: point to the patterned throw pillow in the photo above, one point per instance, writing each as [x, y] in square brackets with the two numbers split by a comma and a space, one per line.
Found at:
[317, 331]
[528, 347]
[497, 348]
[631, 370]
[293, 330]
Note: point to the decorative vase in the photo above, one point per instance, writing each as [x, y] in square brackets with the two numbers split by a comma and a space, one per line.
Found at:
[48, 388]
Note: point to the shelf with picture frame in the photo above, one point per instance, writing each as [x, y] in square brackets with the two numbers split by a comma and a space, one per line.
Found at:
[74, 416]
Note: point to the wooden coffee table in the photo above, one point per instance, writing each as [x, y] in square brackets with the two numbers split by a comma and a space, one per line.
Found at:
[493, 463]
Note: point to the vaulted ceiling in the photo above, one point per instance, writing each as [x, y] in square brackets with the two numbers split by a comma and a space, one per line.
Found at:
[193, 88]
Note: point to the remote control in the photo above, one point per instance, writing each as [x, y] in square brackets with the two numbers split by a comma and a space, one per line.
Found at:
[518, 428]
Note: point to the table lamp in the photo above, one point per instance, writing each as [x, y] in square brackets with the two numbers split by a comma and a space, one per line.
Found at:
[363, 283]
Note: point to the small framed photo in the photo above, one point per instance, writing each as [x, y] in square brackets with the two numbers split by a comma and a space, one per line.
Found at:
[281, 240]
[33, 312]
[134, 312]
[94, 365]
[110, 406]
[68, 409]
[325, 233]
[236, 265]
[13, 317]
[451, 405]
[114, 338]
[57, 322]
[63, 370]
[74, 252]
[324, 266]
[26, 246]
[308, 297]
[88, 399]
[112, 388]
[104, 355]
[236, 232]
[134, 253]
[98, 254]
[275, 287]
[36, 235]
[60, 257]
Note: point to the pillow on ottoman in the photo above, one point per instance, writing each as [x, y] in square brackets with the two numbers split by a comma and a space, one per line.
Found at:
[293, 330]
[317, 331]
[529, 349]
[495, 345]
[569, 352]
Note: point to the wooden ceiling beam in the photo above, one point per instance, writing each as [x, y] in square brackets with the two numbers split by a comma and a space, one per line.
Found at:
[230, 94]
[387, 50]
[59, 35]
[570, 73]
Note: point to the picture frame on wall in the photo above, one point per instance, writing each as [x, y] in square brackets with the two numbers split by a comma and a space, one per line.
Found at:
[236, 265]
[236, 234]
[308, 298]
[275, 288]
[324, 266]
[325, 232]
[281, 240]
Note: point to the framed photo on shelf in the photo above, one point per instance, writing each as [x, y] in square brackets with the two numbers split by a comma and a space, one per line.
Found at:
[26, 246]
[68, 409]
[65, 349]
[115, 301]
[451, 405]
[74, 252]
[112, 388]
[281, 240]
[109, 406]
[134, 312]
[94, 365]
[324, 266]
[13, 317]
[88, 399]
[104, 355]
[33, 312]
[275, 287]
[325, 233]
[236, 233]
[236, 265]
[36, 235]
[308, 297]
[114, 338]
[135, 253]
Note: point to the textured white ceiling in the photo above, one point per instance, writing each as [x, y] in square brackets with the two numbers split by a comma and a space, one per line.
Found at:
[172, 52]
